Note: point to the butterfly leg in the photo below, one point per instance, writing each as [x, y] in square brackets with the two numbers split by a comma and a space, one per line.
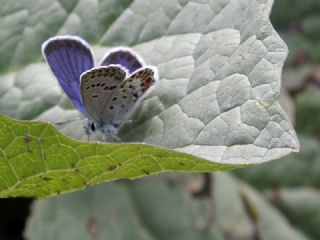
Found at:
[87, 132]
[90, 128]
[104, 137]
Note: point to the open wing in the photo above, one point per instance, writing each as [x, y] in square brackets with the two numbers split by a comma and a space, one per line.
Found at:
[68, 57]
[125, 57]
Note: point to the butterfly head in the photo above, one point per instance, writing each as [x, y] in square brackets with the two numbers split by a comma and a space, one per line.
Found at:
[111, 128]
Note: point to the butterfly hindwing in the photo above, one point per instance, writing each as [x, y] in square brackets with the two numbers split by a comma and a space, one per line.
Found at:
[130, 92]
[68, 57]
[125, 57]
[97, 88]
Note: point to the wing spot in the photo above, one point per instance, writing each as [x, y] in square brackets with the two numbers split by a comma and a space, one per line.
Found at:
[124, 97]
[118, 77]
[112, 87]
[111, 107]
[114, 99]
[94, 95]
[106, 88]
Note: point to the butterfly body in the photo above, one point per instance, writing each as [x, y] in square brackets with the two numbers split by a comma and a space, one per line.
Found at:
[106, 95]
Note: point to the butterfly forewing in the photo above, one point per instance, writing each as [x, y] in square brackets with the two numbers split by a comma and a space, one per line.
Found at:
[68, 57]
[97, 88]
[126, 98]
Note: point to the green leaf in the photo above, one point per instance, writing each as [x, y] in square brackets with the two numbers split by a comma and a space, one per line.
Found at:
[160, 207]
[37, 161]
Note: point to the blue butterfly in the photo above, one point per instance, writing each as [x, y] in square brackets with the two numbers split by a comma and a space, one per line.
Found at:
[107, 95]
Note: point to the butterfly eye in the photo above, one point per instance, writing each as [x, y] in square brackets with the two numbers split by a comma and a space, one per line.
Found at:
[92, 127]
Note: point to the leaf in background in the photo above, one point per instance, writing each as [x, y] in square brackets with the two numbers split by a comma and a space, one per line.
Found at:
[298, 11]
[308, 114]
[221, 55]
[302, 206]
[301, 169]
[137, 210]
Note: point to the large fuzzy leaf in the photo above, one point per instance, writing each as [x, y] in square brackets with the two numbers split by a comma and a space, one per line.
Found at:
[219, 62]
[228, 62]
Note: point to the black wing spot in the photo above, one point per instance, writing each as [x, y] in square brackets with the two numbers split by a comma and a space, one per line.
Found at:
[94, 95]
[124, 97]
[106, 88]
[102, 85]
[114, 99]
[135, 95]
[118, 77]
[111, 107]
[112, 87]
[88, 87]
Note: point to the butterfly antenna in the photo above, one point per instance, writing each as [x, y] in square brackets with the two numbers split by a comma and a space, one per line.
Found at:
[105, 134]
[68, 121]
[116, 137]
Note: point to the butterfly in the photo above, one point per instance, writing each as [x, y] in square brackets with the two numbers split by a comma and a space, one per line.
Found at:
[106, 95]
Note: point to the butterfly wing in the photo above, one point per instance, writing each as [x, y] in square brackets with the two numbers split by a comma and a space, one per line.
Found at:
[68, 57]
[97, 88]
[130, 92]
[125, 57]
